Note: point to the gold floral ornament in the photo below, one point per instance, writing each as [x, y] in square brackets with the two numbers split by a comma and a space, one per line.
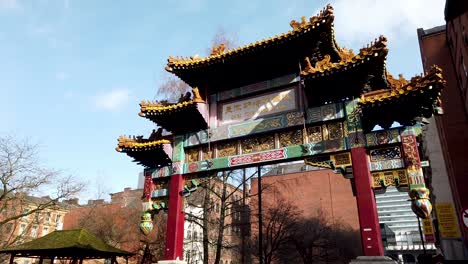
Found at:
[377, 48]
[138, 142]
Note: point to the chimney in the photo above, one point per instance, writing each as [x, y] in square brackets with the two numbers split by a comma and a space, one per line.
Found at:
[73, 201]
[96, 202]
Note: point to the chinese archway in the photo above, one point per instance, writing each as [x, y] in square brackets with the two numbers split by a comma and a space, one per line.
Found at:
[295, 96]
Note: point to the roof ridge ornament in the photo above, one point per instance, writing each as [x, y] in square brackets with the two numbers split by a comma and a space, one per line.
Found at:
[325, 16]
[396, 83]
[154, 139]
[377, 48]
[217, 50]
[417, 83]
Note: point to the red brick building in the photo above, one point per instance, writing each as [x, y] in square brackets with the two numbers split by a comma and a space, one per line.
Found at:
[311, 191]
[447, 46]
[316, 193]
[116, 221]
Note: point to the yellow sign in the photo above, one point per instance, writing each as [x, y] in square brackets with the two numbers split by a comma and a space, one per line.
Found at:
[448, 226]
[428, 230]
[253, 108]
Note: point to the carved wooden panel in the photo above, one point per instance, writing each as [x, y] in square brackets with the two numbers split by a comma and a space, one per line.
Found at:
[259, 143]
[314, 134]
[193, 154]
[335, 130]
[207, 153]
[290, 138]
[385, 153]
[227, 149]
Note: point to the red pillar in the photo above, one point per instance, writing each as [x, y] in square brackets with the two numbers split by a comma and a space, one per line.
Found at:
[175, 219]
[368, 219]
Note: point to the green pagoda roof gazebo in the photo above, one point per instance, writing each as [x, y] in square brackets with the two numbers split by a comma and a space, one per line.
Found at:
[75, 245]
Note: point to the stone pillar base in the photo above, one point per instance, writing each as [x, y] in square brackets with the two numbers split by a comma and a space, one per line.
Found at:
[172, 262]
[373, 260]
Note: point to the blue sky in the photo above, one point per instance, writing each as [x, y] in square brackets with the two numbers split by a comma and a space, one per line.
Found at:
[73, 72]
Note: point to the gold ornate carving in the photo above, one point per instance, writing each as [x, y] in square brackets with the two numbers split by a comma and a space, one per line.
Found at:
[377, 48]
[193, 154]
[396, 83]
[346, 55]
[418, 83]
[325, 132]
[383, 179]
[335, 130]
[138, 142]
[227, 149]
[327, 11]
[207, 153]
[218, 50]
[290, 138]
[323, 17]
[342, 159]
[314, 134]
[196, 96]
[297, 25]
[321, 162]
[258, 143]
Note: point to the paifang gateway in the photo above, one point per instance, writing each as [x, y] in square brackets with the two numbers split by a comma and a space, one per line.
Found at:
[294, 96]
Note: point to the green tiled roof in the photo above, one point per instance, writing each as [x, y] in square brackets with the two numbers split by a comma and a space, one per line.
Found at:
[67, 243]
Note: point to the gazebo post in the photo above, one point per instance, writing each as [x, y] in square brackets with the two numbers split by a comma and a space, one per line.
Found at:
[41, 260]
[81, 260]
[12, 257]
[52, 260]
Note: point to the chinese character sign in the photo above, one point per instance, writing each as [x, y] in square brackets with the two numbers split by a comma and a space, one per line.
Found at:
[253, 108]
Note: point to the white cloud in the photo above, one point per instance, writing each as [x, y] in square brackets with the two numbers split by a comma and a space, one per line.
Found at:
[112, 100]
[359, 21]
[61, 76]
[9, 4]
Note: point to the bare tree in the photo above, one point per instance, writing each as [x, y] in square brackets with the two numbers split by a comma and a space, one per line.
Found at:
[171, 88]
[280, 219]
[224, 217]
[118, 225]
[316, 240]
[21, 176]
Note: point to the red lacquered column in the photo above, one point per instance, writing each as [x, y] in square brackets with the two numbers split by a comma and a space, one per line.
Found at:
[368, 218]
[175, 219]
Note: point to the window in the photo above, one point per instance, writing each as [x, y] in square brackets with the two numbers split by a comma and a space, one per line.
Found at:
[57, 218]
[45, 231]
[36, 216]
[25, 211]
[8, 227]
[22, 229]
[195, 235]
[34, 231]
[47, 217]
